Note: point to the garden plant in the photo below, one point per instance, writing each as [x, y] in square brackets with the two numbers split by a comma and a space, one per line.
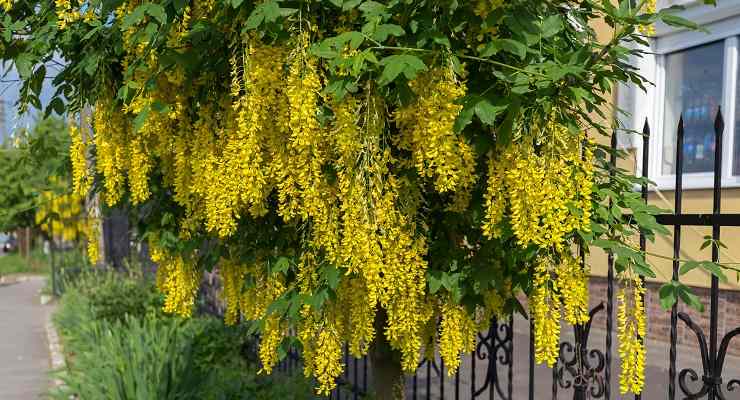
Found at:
[388, 175]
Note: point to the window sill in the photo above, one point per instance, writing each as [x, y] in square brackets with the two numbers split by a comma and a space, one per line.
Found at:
[704, 182]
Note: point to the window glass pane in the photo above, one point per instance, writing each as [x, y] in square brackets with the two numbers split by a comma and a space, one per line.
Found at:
[736, 145]
[693, 82]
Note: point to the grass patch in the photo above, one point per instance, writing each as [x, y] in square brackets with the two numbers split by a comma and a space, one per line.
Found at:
[14, 263]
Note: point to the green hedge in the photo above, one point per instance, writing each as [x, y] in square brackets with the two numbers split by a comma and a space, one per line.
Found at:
[120, 346]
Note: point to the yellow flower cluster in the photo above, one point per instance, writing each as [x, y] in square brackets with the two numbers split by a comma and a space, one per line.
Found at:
[327, 366]
[302, 190]
[495, 196]
[176, 278]
[6, 4]
[359, 315]
[273, 333]
[251, 302]
[457, 331]
[241, 180]
[111, 144]
[81, 179]
[93, 241]
[63, 216]
[60, 215]
[427, 131]
[631, 330]
[65, 13]
[572, 281]
[545, 310]
[548, 192]
[650, 8]
[232, 277]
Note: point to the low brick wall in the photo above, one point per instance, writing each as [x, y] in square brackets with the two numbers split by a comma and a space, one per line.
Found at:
[659, 320]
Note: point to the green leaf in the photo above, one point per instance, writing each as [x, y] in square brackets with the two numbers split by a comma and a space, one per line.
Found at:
[551, 26]
[157, 12]
[350, 4]
[714, 269]
[505, 131]
[135, 17]
[689, 298]
[279, 306]
[488, 112]
[373, 9]
[382, 32]
[282, 265]
[318, 299]
[509, 45]
[405, 64]
[266, 12]
[331, 274]
[141, 118]
[688, 266]
[24, 64]
[643, 269]
[667, 295]
[675, 20]
[434, 283]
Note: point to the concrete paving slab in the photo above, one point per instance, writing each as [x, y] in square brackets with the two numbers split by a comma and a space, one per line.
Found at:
[24, 352]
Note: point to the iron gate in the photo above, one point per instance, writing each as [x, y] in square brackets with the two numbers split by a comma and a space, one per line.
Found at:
[584, 369]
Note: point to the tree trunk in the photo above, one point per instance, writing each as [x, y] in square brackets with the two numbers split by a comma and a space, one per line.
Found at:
[385, 362]
[28, 245]
[22, 238]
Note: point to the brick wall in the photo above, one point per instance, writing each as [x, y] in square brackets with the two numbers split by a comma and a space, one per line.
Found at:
[659, 320]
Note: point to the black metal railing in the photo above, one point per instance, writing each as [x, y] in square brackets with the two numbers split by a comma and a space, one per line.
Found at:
[584, 368]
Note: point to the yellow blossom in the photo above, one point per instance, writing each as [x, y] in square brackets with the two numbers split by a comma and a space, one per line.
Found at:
[631, 330]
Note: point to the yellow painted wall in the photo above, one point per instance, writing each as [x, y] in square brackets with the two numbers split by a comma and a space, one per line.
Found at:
[694, 201]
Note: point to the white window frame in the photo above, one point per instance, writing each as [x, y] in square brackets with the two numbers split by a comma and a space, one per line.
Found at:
[723, 23]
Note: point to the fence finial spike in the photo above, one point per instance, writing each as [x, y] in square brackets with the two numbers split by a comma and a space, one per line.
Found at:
[646, 128]
[719, 121]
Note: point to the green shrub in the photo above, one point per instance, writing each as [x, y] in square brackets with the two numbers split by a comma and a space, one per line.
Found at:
[121, 347]
[134, 359]
[113, 295]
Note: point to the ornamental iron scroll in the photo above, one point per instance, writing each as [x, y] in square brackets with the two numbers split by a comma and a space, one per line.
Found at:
[712, 365]
[496, 347]
[579, 367]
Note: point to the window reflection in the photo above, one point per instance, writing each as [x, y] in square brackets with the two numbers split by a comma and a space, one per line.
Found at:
[693, 89]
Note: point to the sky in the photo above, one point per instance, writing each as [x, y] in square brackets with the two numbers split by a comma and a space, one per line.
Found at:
[9, 92]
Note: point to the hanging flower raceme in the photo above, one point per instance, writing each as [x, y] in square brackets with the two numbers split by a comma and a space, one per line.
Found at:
[631, 330]
[572, 281]
[111, 142]
[427, 127]
[176, 278]
[547, 191]
[545, 310]
[93, 233]
[81, 179]
[457, 331]
[232, 276]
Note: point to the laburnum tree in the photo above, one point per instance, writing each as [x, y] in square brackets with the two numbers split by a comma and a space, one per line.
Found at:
[387, 175]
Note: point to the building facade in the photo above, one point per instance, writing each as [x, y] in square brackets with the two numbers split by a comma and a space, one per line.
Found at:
[695, 75]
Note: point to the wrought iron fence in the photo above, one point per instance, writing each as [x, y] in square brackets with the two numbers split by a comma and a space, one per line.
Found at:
[585, 368]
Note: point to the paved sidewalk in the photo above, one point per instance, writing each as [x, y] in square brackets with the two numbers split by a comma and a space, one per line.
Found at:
[24, 353]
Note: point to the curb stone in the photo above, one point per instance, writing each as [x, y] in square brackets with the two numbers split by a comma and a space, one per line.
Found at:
[55, 349]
